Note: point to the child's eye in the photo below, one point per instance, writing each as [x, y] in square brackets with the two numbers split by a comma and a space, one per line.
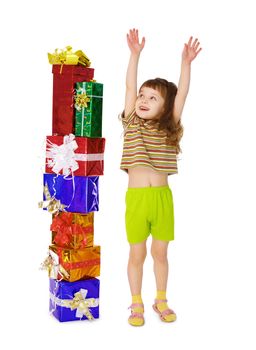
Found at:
[153, 98]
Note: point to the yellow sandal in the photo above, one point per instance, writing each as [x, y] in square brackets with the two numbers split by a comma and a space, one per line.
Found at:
[167, 315]
[136, 318]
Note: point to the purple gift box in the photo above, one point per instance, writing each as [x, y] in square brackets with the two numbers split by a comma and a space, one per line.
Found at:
[78, 194]
[74, 301]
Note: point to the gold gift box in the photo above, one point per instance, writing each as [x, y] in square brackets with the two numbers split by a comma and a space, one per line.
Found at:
[77, 263]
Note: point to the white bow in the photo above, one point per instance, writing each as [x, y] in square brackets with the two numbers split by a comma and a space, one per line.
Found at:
[63, 156]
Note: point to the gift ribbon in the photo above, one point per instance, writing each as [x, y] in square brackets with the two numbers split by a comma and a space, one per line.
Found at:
[52, 204]
[51, 264]
[62, 158]
[66, 230]
[81, 98]
[68, 57]
[81, 101]
[79, 302]
[81, 264]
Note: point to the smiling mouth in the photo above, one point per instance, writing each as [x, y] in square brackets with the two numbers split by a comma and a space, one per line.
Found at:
[142, 108]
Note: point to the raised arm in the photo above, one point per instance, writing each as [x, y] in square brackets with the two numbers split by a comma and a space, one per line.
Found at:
[190, 51]
[131, 76]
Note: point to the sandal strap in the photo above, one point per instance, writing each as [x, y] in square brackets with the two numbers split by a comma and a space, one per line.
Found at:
[159, 301]
[136, 315]
[135, 305]
[167, 312]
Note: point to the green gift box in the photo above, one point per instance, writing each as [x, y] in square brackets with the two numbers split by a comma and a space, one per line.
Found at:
[88, 109]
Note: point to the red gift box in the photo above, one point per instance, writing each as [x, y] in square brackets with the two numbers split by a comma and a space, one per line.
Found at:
[80, 156]
[64, 79]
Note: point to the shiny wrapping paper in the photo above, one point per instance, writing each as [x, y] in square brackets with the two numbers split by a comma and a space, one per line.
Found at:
[78, 194]
[62, 293]
[81, 153]
[67, 56]
[73, 230]
[63, 95]
[78, 263]
[88, 120]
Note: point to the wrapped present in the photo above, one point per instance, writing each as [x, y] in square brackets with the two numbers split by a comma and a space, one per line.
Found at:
[88, 105]
[74, 301]
[80, 156]
[74, 264]
[72, 230]
[75, 194]
[63, 96]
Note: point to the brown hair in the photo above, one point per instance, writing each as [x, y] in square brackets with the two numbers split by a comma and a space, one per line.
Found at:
[166, 120]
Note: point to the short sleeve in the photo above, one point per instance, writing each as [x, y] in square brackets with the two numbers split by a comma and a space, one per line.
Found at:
[128, 119]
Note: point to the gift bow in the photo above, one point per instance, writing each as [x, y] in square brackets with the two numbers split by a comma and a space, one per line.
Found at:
[67, 56]
[82, 304]
[79, 302]
[81, 101]
[65, 229]
[63, 156]
[51, 264]
[52, 204]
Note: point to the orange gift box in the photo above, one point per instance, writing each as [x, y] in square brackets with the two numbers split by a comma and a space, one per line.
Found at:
[75, 264]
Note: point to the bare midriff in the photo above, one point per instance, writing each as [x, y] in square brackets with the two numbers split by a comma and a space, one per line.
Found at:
[146, 177]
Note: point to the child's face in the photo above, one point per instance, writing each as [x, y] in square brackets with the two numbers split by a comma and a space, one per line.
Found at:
[149, 103]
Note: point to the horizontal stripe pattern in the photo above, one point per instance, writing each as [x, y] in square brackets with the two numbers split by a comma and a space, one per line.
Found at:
[144, 145]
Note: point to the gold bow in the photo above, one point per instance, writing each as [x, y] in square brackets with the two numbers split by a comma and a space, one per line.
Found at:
[49, 264]
[52, 204]
[67, 56]
[81, 304]
[81, 101]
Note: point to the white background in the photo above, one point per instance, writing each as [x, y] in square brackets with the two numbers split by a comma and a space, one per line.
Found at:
[212, 260]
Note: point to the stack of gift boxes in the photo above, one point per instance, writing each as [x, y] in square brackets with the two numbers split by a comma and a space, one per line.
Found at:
[74, 162]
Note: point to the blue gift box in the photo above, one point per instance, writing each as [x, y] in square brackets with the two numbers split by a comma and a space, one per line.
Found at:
[79, 194]
[74, 301]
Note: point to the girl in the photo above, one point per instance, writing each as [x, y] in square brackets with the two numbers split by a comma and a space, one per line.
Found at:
[152, 131]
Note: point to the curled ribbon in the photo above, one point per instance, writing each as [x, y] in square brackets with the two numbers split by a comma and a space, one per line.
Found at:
[63, 156]
[79, 302]
[52, 204]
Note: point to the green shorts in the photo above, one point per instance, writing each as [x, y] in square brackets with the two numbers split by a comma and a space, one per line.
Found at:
[149, 210]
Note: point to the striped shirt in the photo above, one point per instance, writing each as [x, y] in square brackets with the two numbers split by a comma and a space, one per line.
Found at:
[144, 145]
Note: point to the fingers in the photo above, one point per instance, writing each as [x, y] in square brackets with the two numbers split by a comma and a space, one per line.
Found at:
[143, 42]
[197, 52]
[194, 45]
[134, 37]
[190, 41]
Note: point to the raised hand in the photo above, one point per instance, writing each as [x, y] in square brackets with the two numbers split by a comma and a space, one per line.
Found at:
[133, 41]
[191, 50]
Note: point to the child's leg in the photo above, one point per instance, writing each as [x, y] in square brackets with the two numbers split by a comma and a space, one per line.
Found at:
[159, 254]
[135, 272]
[161, 267]
[137, 257]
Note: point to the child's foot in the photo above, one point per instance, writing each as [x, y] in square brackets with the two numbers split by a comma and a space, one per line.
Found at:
[165, 313]
[136, 318]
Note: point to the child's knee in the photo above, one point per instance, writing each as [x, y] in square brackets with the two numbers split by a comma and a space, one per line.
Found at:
[159, 254]
[137, 257]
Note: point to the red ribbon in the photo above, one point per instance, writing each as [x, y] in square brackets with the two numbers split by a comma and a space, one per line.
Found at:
[66, 230]
[80, 264]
